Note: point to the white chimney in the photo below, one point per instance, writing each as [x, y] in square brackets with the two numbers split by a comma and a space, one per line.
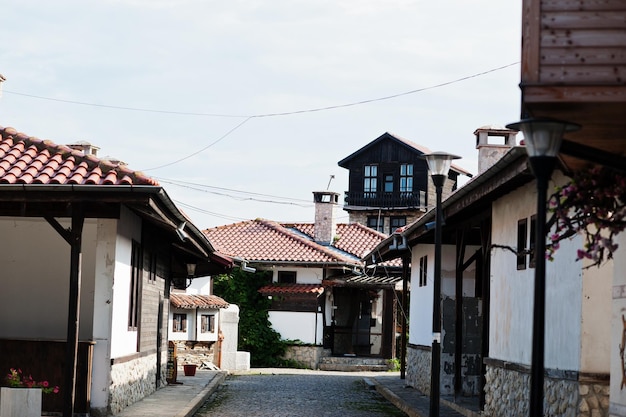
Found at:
[492, 142]
[85, 147]
[325, 225]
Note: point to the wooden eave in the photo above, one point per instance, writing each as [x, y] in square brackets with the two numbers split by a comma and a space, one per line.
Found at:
[574, 69]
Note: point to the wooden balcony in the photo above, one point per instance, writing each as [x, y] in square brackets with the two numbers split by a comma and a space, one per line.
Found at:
[395, 200]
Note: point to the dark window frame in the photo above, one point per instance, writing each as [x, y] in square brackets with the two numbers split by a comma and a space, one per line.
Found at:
[522, 239]
[207, 323]
[376, 222]
[136, 268]
[531, 245]
[287, 277]
[179, 323]
[396, 221]
[423, 271]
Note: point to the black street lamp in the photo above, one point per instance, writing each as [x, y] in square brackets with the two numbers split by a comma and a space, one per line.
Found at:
[543, 140]
[438, 165]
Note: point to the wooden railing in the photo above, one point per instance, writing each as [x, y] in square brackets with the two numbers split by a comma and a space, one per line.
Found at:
[385, 200]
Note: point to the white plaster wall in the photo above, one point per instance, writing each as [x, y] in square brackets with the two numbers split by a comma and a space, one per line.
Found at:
[421, 305]
[510, 331]
[200, 285]
[618, 329]
[596, 318]
[123, 340]
[103, 295]
[303, 326]
[36, 267]
[303, 275]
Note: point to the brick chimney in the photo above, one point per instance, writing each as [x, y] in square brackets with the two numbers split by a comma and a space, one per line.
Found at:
[492, 142]
[325, 225]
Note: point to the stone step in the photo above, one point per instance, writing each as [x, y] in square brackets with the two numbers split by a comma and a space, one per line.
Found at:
[352, 363]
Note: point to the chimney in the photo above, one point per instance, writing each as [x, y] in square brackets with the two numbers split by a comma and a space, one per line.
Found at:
[325, 225]
[492, 142]
[2, 79]
[85, 147]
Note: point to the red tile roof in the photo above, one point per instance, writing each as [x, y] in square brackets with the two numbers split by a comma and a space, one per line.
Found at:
[268, 241]
[28, 160]
[309, 289]
[197, 301]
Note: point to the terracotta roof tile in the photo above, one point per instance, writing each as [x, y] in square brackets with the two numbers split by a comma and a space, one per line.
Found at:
[29, 160]
[267, 241]
[312, 289]
[197, 301]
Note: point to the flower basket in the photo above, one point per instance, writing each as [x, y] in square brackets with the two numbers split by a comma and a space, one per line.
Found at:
[20, 402]
[190, 370]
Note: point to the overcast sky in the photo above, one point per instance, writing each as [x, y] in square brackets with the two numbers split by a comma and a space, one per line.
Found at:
[242, 108]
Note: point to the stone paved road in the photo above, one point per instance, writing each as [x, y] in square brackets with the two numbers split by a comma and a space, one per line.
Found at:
[297, 393]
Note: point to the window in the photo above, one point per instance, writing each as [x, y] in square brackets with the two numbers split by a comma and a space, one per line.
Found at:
[287, 277]
[152, 267]
[388, 183]
[369, 181]
[207, 323]
[406, 178]
[423, 271]
[522, 227]
[179, 323]
[135, 285]
[533, 223]
[375, 222]
[397, 222]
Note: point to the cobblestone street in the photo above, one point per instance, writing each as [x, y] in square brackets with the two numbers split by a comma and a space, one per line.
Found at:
[290, 393]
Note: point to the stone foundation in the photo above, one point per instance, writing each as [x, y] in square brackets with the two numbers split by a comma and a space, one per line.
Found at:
[418, 366]
[194, 353]
[307, 356]
[507, 393]
[131, 381]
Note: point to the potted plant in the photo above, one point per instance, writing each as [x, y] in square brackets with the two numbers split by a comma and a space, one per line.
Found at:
[22, 397]
[189, 369]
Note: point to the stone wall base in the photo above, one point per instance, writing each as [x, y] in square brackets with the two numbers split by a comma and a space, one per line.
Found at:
[306, 356]
[507, 393]
[131, 381]
[418, 366]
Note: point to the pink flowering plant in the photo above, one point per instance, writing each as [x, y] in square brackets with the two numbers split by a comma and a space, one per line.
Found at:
[591, 204]
[16, 379]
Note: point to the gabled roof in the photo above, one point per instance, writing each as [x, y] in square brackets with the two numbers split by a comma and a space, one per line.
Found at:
[29, 160]
[188, 301]
[409, 145]
[39, 178]
[266, 241]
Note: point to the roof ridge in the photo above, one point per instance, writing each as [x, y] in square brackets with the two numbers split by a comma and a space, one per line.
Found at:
[278, 227]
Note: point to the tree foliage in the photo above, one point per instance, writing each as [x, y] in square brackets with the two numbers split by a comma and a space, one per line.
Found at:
[255, 332]
[591, 204]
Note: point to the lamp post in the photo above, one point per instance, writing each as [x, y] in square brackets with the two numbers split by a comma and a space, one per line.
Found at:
[438, 165]
[543, 140]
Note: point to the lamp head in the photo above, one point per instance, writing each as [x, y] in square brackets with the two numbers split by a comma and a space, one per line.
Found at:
[543, 136]
[439, 162]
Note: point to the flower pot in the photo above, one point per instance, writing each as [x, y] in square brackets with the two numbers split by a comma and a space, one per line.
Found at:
[190, 370]
[20, 402]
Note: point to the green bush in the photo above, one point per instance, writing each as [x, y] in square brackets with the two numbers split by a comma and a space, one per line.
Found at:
[255, 332]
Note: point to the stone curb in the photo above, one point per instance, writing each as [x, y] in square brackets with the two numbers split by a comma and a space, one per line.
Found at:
[397, 401]
[193, 406]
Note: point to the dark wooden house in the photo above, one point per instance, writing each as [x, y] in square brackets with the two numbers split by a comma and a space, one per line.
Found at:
[389, 184]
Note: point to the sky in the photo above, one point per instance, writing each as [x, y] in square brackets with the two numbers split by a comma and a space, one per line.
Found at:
[242, 108]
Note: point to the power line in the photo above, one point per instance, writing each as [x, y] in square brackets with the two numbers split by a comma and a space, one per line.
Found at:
[201, 187]
[288, 113]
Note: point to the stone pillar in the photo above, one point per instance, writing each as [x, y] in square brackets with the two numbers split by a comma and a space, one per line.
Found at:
[229, 325]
